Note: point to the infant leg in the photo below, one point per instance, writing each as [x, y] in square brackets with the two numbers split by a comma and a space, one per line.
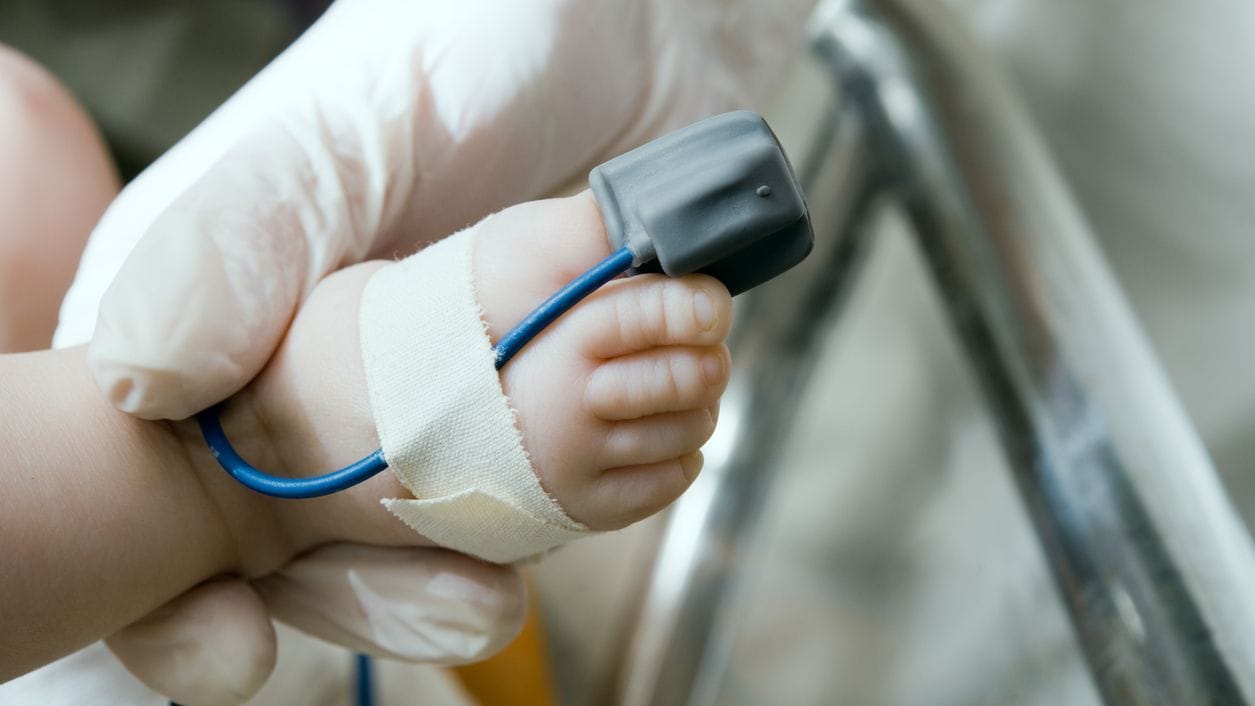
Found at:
[55, 181]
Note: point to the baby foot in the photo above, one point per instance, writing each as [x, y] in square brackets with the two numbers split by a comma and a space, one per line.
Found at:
[613, 400]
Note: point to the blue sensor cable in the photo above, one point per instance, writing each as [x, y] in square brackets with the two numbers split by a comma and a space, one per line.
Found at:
[509, 345]
[616, 264]
[364, 683]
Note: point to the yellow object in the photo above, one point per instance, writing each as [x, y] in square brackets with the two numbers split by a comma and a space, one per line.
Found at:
[518, 675]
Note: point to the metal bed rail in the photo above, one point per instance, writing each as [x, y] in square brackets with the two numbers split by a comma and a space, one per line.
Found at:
[1150, 559]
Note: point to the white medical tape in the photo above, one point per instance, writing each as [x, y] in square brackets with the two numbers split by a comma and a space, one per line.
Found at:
[445, 425]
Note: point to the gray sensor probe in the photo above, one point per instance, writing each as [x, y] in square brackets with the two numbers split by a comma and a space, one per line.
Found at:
[717, 197]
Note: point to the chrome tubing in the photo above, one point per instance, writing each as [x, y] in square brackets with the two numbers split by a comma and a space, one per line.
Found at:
[1149, 556]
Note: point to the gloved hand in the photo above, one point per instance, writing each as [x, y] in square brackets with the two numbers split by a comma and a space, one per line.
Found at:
[385, 126]
[215, 645]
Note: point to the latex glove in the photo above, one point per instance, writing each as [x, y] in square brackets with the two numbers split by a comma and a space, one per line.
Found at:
[385, 126]
[418, 605]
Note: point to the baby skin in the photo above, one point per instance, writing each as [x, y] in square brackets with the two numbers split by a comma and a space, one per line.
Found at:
[108, 517]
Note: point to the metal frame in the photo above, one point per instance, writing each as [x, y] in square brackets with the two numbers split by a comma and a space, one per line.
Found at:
[1149, 557]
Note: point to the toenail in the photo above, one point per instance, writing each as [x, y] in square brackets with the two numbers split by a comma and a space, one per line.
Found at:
[712, 369]
[704, 310]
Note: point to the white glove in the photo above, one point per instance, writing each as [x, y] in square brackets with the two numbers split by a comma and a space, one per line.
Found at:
[387, 125]
[418, 605]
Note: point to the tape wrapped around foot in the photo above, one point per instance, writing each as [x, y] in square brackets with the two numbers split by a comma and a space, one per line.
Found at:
[444, 424]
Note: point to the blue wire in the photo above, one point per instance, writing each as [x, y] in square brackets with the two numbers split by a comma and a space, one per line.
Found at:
[509, 345]
[365, 682]
[279, 487]
[557, 305]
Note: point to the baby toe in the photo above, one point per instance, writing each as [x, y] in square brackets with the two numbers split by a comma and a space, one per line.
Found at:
[657, 381]
[656, 438]
[626, 495]
[650, 311]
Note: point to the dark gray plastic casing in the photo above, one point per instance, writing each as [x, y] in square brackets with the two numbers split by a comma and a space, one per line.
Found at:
[717, 197]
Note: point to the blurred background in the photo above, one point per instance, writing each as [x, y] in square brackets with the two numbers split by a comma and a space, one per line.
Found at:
[894, 563]
[149, 70]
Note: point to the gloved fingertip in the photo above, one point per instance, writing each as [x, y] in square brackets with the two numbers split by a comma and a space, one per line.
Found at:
[212, 646]
[131, 391]
[122, 392]
[151, 390]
